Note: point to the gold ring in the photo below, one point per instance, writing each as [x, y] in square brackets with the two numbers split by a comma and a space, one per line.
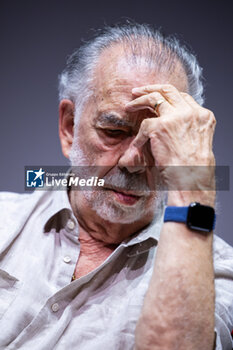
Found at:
[158, 103]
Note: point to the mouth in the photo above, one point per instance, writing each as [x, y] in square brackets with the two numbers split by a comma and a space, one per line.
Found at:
[125, 197]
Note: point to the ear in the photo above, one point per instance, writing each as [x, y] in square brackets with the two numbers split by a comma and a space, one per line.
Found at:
[66, 125]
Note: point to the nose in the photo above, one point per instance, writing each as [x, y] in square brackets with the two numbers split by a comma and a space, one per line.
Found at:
[133, 159]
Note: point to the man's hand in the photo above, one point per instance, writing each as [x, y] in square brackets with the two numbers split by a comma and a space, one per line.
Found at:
[181, 138]
[178, 311]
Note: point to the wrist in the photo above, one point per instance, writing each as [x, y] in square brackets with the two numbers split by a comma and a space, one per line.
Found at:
[184, 198]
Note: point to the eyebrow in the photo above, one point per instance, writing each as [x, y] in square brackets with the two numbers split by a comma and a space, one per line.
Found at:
[113, 120]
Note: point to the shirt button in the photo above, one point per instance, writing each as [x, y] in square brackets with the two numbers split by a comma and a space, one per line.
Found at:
[67, 259]
[70, 224]
[55, 307]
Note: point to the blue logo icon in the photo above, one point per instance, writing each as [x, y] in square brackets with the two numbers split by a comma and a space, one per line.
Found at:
[35, 178]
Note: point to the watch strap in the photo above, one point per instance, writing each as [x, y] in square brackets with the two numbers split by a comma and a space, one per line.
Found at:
[178, 214]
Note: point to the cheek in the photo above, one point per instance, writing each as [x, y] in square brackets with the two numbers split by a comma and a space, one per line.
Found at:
[109, 155]
[100, 152]
[106, 155]
[96, 151]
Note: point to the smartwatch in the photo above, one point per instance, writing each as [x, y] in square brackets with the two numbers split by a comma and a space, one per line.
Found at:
[197, 217]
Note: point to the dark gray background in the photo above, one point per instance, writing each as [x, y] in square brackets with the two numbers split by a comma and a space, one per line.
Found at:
[37, 36]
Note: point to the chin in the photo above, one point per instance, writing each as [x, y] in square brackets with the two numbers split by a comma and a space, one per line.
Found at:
[109, 209]
[115, 216]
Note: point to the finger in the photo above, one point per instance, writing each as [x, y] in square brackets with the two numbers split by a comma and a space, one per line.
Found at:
[190, 100]
[168, 91]
[155, 102]
[204, 114]
[147, 89]
[147, 126]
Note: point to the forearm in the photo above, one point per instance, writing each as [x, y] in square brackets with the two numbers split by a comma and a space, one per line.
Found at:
[178, 311]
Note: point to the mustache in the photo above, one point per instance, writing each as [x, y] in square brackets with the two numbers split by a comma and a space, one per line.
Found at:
[120, 179]
[129, 182]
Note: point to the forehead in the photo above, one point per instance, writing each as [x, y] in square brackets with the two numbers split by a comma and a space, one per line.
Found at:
[115, 77]
[115, 66]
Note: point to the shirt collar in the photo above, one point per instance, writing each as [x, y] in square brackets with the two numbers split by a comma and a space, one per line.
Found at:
[60, 201]
[150, 232]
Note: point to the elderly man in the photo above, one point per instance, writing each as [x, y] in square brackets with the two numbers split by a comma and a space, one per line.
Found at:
[143, 275]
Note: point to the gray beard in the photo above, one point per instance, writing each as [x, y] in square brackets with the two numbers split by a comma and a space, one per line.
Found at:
[102, 201]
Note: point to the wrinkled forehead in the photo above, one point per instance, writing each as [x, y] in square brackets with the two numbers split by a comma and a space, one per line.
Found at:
[113, 90]
[116, 69]
[114, 78]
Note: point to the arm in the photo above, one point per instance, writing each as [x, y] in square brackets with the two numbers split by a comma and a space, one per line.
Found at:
[178, 311]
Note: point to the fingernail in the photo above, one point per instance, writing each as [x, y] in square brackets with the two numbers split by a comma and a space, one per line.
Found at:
[135, 90]
[128, 104]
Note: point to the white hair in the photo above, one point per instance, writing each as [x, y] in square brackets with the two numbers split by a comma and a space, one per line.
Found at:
[139, 41]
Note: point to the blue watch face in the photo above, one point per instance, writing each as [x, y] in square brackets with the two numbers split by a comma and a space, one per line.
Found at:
[200, 217]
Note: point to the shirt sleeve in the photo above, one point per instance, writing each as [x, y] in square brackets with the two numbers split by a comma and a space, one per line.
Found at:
[223, 267]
